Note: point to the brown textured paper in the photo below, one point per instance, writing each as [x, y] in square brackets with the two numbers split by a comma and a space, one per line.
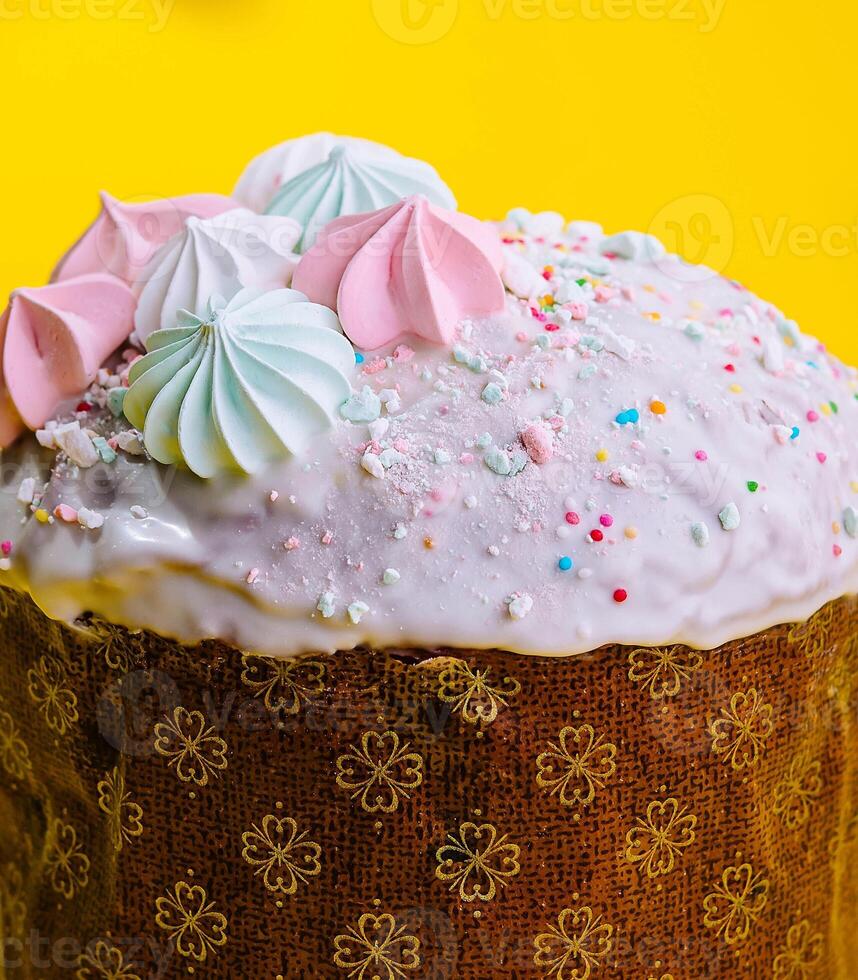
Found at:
[651, 814]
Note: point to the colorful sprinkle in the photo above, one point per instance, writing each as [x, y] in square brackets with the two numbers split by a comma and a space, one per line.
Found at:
[657, 407]
[620, 595]
[597, 536]
[629, 416]
[753, 486]
[572, 518]
[606, 520]
[565, 564]
[701, 456]
[602, 455]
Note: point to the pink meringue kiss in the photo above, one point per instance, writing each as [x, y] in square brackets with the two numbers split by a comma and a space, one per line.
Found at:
[412, 269]
[53, 340]
[124, 237]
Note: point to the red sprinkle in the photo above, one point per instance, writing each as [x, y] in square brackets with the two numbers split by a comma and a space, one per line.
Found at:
[83, 407]
[6, 548]
[838, 551]
[606, 520]
[620, 595]
[730, 367]
[701, 455]
[572, 518]
[597, 535]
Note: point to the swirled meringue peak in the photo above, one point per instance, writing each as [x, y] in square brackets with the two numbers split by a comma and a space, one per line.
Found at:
[253, 381]
[53, 340]
[270, 171]
[410, 269]
[351, 181]
[215, 257]
[124, 237]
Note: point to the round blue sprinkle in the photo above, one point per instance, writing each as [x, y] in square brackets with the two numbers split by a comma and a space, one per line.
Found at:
[565, 563]
[359, 358]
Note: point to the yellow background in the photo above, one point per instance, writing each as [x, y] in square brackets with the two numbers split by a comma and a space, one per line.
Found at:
[733, 137]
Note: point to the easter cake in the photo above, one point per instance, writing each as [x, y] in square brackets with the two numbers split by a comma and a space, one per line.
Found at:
[388, 593]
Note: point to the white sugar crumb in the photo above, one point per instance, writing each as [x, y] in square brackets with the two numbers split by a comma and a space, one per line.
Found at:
[357, 611]
[76, 444]
[520, 607]
[90, 519]
[373, 465]
[45, 438]
[391, 576]
[27, 490]
[131, 442]
[326, 604]
[700, 534]
[730, 518]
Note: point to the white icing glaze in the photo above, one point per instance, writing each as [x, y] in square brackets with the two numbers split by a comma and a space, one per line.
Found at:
[477, 553]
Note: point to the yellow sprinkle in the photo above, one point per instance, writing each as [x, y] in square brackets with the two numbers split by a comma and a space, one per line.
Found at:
[547, 300]
[42, 516]
[736, 389]
[836, 527]
[631, 533]
[825, 409]
[854, 485]
[602, 455]
[649, 289]
[789, 341]
[549, 270]
[653, 317]
[428, 544]
[696, 304]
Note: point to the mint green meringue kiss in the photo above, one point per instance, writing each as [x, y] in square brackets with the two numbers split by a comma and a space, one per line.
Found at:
[354, 182]
[256, 381]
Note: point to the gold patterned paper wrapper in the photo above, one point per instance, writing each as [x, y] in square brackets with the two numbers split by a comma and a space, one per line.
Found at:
[644, 814]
